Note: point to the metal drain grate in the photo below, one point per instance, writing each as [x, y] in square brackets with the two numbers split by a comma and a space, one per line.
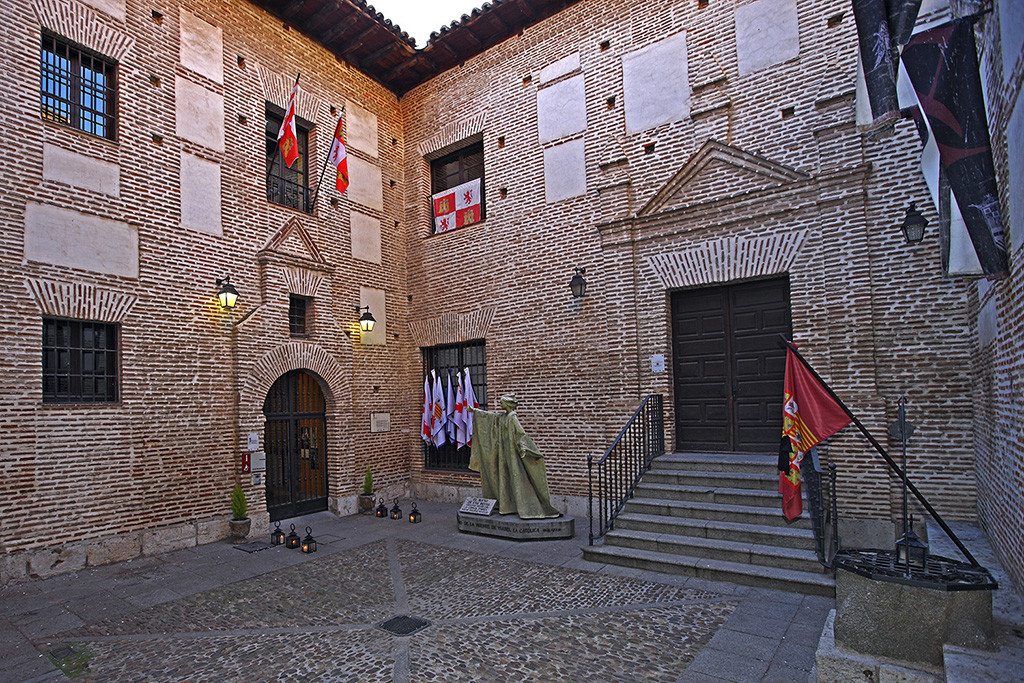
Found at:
[253, 546]
[403, 625]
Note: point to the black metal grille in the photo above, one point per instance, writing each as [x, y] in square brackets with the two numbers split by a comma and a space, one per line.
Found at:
[939, 573]
[79, 361]
[287, 186]
[403, 625]
[298, 308]
[77, 88]
[453, 358]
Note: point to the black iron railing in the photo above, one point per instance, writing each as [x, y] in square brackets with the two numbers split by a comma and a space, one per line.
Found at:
[613, 477]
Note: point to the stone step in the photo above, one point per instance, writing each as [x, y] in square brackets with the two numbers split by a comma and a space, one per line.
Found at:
[719, 512]
[717, 549]
[715, 570]
[709, 494]
[779, 536]
[735, 480]
[718, 462]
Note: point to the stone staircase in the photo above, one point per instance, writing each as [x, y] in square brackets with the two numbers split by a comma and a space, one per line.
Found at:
[715, 516]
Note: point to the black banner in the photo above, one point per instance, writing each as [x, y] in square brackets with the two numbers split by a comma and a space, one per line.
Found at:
[943, 66]
[881, 26]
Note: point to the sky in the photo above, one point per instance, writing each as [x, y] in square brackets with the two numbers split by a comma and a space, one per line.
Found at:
[419, 18]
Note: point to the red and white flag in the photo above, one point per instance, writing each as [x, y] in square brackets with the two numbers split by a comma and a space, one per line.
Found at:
[449, 418]
[457, 206]
[287, 140]
[470, 400]
[428, 412]
[339, 157]
[459, 416]
[437, 426]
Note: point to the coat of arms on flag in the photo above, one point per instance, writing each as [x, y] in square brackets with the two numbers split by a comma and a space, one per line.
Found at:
[456, 207]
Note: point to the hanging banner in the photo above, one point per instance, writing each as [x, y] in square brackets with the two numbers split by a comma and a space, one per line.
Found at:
[457, 206]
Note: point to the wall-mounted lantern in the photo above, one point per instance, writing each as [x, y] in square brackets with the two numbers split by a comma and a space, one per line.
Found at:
[913, 225]
[577, 284]
[366, 320]
[227, 295]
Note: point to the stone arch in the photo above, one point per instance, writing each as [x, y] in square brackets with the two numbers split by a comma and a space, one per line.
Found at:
[727, 259]
[294, 356]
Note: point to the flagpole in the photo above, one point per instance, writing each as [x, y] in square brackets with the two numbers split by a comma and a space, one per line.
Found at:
[878, 447]
[316, 192]
[299, 73]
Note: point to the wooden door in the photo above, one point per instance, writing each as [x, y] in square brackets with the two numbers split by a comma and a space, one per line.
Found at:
[294, 436]
[728, 368]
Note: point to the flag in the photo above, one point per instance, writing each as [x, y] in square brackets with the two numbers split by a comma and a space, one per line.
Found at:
[428, 412]
[449, 418]
[339, 157]
[286, 137]
[943, 66]
[883, 25]
[437, 425]
[470, 401]
[456, 207]
[460, 412]
[809, 416]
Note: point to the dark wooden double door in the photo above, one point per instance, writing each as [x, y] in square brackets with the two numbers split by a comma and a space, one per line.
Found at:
[294, 438]
[728, 368]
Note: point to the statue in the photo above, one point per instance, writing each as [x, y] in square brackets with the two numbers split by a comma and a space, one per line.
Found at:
[510, 466]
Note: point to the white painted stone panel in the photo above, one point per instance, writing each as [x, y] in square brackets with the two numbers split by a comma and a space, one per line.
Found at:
[199, 114]
[565, 171]
[767, 33]
[375, 299]
[115, 8]
[565, 65]
[365, 183]
[365, 237]
[361, 129]
[656, 84]
[561, 109]
[202, 47]
[64, 237]
[78, 170]
[1015, 137]
[200, 195]
[1011, 34]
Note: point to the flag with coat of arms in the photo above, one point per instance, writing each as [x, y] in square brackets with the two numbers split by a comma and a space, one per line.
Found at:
[428, 413]
[457, 206]
[438, 425]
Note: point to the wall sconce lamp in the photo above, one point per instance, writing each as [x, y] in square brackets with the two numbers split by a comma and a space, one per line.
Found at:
[913, 225]
[228, 295]
[577, 284]
[366, 320]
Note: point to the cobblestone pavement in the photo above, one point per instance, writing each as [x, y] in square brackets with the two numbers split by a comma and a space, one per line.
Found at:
[498, 611]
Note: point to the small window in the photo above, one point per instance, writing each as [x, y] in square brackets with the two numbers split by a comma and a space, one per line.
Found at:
[299, 308]
[77, 88]
[79, 361]
[457, 188]
[287, 186]
[454, 359]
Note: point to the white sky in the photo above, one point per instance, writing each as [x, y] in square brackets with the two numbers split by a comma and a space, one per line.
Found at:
[419, 18]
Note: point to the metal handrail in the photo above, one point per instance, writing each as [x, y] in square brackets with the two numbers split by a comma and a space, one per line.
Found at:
[619, 470]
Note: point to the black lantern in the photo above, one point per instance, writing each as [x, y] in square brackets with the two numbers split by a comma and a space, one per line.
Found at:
[276, 536]
[366, 320]
[913, 225]
[415, 516]
[910, 551]
[292, 540]
[309, 543]
[227, 295]
[382, 509]
[396, 512]
[577, 284]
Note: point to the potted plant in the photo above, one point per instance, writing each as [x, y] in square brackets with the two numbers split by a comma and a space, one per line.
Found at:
[239, 523]
[365, 499]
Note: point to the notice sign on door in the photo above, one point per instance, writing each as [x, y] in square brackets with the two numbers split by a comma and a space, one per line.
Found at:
[380, 422]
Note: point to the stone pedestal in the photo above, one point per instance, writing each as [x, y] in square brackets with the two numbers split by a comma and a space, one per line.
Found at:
[516, 528]
[908, 623]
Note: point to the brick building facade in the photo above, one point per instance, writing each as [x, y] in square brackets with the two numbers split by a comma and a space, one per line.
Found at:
[667, 148]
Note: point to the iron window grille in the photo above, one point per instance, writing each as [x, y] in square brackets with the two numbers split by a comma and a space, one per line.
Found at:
[459, 167]
[77, 88]
[453, 358]
[298, 315]
[287, 186]
[80, 360]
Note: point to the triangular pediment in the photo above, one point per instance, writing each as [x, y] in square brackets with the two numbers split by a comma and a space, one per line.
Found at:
[717, 171]
[293, 239]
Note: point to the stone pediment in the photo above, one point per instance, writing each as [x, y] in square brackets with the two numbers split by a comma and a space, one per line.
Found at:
[717, 171]
[293, 239]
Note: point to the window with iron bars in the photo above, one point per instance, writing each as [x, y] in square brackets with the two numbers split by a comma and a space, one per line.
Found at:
[287, 186]
[454, 358]
[299, 308]
[79, 361]
[459, 167]
[77, 88]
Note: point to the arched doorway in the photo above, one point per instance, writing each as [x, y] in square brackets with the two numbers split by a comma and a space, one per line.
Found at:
[294, 436]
